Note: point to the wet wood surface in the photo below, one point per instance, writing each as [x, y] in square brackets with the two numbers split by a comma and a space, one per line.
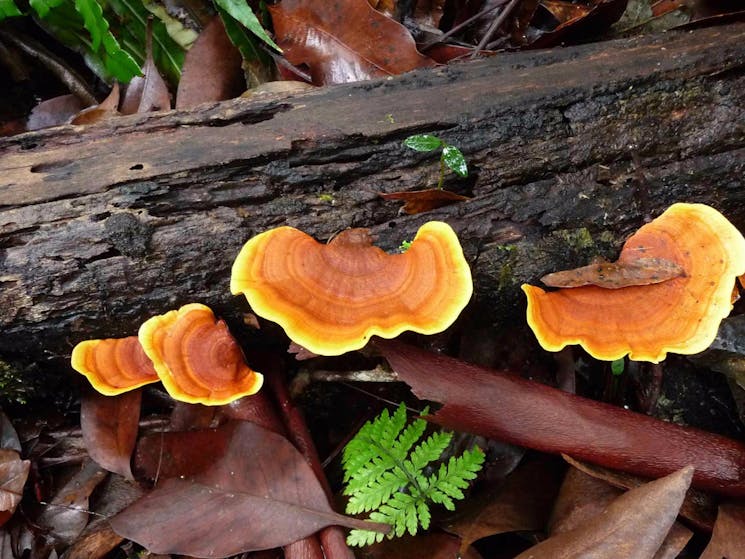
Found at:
[570, 150]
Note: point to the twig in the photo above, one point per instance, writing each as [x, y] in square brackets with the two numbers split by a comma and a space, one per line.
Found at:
[452, 31]
[498, 21]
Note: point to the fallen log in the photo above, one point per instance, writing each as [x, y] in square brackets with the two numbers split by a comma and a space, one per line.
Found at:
[570, 150]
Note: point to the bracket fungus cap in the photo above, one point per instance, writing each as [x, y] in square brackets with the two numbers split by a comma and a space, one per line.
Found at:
[113, 365]
[197, 358]
[645, 322]
[332, 298]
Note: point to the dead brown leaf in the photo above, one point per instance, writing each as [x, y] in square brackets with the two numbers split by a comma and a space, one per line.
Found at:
[344, 40]
[570, 23]
[615, 275]
[698, 508]
[67, 515]
[181, 453]
[105, 109]
[261, 493]
[633, 526]
[98, 538]
[54, 111]
[728, 538]
[212, 69]
[13, 476]
[147, 92]
[521, 503]
[583, 498]
[418, 201]
[109, 425]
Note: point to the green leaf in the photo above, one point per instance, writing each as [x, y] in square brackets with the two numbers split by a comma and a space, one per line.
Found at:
[423, 142]
[93, 20]
[617, 366]
[42, 7]
[381, 479]
[241, 11]
[454, 159]
[167, 53]
[257, 63]
[8, 9]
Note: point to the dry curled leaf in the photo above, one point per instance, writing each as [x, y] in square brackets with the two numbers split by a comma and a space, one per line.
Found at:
[633, 526]
[109, 425]
[418, 201]
[615, 275]
[105, 109]
[583, 498]
[147, 92]
[13, 475]
[67, 515]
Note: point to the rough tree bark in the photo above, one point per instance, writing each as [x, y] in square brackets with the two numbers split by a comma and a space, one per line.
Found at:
[570, 150]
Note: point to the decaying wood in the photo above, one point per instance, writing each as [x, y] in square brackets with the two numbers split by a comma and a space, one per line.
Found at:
[104, 226]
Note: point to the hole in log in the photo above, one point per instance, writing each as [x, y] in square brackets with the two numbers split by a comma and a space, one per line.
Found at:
[137, 167]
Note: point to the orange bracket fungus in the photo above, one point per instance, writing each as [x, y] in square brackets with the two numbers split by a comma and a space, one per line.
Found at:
[197, 358]
[190, 351]
[332, 298]
[114, 365]
[679, 315]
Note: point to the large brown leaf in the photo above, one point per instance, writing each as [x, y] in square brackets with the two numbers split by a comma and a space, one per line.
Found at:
[633, 526]
[109, 425]
[504, 406]
[584, 498]
[180, 453]
[260, 494]
[212, 69]
[343, 40]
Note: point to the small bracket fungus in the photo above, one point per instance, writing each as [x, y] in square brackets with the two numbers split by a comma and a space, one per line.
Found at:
[197, 358]
[332, 298]
[679, 315]
[114, 365]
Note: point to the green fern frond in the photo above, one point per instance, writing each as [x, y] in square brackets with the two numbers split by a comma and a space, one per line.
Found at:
[384, 468]
[384, 429]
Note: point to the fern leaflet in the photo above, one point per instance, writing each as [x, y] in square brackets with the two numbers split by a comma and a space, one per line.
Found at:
[384, 469]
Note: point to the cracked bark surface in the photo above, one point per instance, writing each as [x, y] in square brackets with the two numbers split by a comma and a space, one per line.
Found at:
[104, 226]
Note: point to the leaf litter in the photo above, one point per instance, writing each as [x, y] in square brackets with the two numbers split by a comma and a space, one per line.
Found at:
[205, 515]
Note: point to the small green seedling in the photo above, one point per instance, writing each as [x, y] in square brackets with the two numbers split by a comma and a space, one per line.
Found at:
[384, 472]
[450, 156]
[404, 246]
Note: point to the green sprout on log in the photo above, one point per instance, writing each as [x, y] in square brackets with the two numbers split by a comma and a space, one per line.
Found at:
[385, 472]
[450, 156]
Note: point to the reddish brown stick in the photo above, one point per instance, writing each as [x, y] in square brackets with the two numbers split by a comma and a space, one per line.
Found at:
[332, 538]
[259, 409]
[504, 406]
